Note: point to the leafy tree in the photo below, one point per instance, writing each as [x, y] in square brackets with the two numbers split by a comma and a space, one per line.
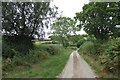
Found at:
[74, 38]
[26, 18]
[62, 27]
[100, 19]
[21, 22]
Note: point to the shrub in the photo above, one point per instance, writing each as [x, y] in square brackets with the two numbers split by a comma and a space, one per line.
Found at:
[111, 54]
[13, 44]
[65, 42]
[80, 42]
[18, 61]
[52, 50]
[7, 52]
[6, 64]
[87, 48]
[35, 55]
[31, 58]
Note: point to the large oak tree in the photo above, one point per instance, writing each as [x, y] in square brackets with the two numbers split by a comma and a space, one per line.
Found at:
[100, 19]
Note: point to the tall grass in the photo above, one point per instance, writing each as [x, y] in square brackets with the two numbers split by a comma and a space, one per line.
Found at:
[103, 57]
[41, 63]
[37, 54]
[48, 68]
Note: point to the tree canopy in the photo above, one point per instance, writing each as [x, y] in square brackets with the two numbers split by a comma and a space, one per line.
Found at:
[26, 18]
[62, 27]
[100, 19]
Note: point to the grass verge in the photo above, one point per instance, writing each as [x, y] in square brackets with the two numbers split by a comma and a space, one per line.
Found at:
[48, 68]
[97, 67]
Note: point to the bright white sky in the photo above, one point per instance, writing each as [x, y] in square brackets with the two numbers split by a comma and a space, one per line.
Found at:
[70, 7]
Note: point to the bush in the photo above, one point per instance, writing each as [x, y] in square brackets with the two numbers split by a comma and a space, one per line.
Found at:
[18, 61]
[35, 55]
[52, 50]
[65, 42]
[31, 58]
[13, 44]
[7, 52]
[80, 42]
[88, 48]
[111, 54]
[6, 64]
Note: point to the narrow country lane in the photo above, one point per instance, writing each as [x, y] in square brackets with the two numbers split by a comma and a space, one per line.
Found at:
[77, 67]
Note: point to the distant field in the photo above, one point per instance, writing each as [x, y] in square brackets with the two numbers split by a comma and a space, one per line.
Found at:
[38, 42]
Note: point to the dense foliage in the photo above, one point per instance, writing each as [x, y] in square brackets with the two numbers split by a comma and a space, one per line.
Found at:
[21, 23]
[87, 47]
[62, 27]
[100, 19]
[107, 54]
[15, 45]
[110, 55]
[26, 18]
[36, 55]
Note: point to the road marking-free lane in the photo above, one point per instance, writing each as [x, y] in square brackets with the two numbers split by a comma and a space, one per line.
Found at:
[77, 67]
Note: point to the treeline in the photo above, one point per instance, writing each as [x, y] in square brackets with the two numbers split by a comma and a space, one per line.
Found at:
[22, 22]
[101, 22]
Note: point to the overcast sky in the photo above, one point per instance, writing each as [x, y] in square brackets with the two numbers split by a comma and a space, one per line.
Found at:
[70, 7]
